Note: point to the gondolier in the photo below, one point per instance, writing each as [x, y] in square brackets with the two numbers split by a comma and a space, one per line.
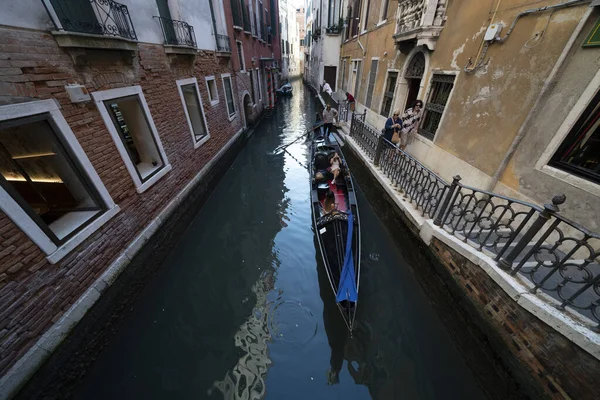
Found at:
[328, 116]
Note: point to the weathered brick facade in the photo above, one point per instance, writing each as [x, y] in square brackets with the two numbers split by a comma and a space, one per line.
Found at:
[34, 293]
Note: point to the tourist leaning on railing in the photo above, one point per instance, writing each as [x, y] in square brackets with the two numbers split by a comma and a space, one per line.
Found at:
[391, 125]
[410, 122]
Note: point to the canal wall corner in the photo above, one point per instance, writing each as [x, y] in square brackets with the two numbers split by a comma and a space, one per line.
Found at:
[39, 354]
[548, 353]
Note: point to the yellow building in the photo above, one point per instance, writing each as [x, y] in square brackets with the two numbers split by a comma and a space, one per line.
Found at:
[511, 90]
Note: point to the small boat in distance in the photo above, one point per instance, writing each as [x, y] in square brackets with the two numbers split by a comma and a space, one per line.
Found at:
[285, 90]
[336, 221]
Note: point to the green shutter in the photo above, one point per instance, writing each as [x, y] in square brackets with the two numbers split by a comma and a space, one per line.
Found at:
[593, 40]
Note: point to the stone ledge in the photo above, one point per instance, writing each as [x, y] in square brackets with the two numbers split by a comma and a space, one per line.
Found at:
[176, 49]
[90, 41]
[35, 357]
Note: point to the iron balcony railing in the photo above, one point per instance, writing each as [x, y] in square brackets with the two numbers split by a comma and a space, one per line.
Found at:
[556, 256]
[97, 17]
[223, 43]
[236, 13]
[177, 33]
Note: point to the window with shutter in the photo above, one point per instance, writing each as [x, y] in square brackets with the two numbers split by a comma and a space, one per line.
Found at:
[372, 77]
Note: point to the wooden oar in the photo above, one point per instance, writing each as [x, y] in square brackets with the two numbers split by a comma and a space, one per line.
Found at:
[283, 147]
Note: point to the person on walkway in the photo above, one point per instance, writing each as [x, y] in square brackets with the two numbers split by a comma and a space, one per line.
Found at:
[393, 124]
[327, 88]
[410, 122]
[328, 115]
[351, 101]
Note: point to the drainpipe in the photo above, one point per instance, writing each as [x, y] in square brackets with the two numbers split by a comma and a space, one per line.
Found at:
[548, 86]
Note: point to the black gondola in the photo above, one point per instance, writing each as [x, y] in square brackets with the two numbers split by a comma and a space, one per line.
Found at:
[336, 222]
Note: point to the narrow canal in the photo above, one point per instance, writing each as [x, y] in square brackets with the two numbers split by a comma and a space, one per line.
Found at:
[242, 309]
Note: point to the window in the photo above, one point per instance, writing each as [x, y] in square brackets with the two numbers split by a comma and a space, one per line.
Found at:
[384, 10]
[211, 88]
[128, 120]
[372, 79]
[366, 15]
[441, 86]
[388, 95]
[48, 186]
[227, 88]
[579, 153]
[241, 56]
[194, 113]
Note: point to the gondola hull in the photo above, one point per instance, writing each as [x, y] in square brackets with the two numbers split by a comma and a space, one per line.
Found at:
[337, 228]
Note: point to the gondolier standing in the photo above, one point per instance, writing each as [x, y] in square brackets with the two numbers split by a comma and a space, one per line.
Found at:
[328, 115]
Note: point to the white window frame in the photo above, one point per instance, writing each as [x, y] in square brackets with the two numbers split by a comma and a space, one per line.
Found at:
[99, 99]
[207, 79]
[387, 75]
[242, 61]
[381, 11]
[20, 217]
[223, 77]
[193, 81]
[561, 134]
[369, 83]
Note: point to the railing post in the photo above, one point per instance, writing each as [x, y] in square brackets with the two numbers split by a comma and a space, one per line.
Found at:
[378, 150]
[352, 126]
[442, 211]
[549, 209]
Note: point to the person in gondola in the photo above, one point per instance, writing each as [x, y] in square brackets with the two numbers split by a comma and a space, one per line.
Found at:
[335, 166]
[329, 203]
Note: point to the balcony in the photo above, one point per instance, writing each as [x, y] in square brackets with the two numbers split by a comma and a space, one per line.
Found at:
[81, 23]
[334, 29]
[179, 36]
[223, 44]
[419, 22]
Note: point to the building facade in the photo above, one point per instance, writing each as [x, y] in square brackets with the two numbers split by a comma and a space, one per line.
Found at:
[301, 24]
[325, 23]
[510, 91]
[253, 26]
[108, 117]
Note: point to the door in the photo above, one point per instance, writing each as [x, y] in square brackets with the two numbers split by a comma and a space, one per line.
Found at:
[414, 85]
[166, 21]
[329, 75]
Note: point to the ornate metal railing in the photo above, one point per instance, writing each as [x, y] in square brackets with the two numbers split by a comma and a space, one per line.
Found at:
[422, 187]
[98, 17]
[557, 256]
[366, 136]
[223, 43]
[177, 33]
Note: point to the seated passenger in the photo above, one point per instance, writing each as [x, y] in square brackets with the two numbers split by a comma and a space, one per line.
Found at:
[335, 166]
[329, 204]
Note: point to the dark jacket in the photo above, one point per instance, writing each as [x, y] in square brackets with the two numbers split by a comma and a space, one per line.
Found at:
[389, 131]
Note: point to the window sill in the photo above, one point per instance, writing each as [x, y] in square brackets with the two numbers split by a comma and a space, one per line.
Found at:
[76, 240]
[232, 117]
[90, 41]
[177, 49]
[201, 141]
[214, 103]
[573, 180]
[237, 28]
[223, 54]
[382, 22]
[146, 185]
[248, 32]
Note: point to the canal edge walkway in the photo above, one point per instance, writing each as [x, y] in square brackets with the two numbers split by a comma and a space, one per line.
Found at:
[34, 358]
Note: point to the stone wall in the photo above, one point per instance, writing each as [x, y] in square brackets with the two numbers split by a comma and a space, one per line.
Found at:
[34, 294]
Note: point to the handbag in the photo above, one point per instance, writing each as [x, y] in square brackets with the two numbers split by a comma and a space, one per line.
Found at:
[396, 137]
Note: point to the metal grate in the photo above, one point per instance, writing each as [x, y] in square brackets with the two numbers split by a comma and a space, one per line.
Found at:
[441, 87]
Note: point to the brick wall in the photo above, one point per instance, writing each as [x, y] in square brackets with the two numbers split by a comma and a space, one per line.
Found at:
[34, 293]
